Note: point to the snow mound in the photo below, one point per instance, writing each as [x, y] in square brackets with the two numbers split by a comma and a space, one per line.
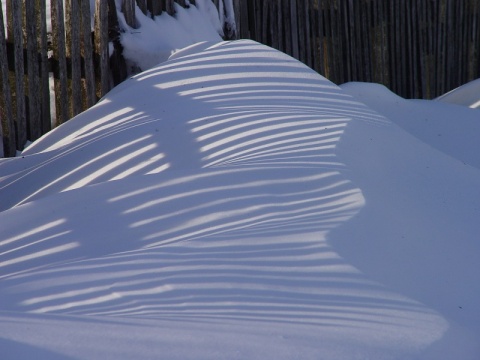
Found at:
[232, 203]
[449, 128]
[465, 95]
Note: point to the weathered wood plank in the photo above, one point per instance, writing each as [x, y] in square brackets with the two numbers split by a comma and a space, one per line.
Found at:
[170, 7]
[87, 54]
[101, 48]
[351, 39]
[155, 7]
[128, 10]
[413, 39]
[287, 26]
[321, 40]
[73, 52]
[21, 121]
[7, 125]
[142, 5]
[314, 35]
[59, 56]
[309, 43]
[301, 31]
[118, 67]
[402, 47]
[34, 112]
[238, 22]
[44, 69]
[294, 27]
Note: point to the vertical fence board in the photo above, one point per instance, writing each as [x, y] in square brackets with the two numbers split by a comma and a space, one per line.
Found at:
[44, 69]
[402, 49]
[87, 54]
[411, 38]
[101, 47]
[73, 52]
[450, 44]
[438, 45]
[258, 19]
[338, 42]
[314, 34]
[243, 26]
[274, 24]
[287, 26]
[279, 25]
[155, 7]
[6, 113]
[142, 4]
[309, 43]
[128, 10]
[294, 25]
[420, 10]
[265, 21]
[34, 111]
[321, 46]
[170, 7]
[350, 34]
[118, 66]
[302, 44]
[21, 125]
[59, 57]
[238, 23]
[367, 46]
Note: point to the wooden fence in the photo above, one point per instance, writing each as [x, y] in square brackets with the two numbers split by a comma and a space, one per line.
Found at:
[80, 62]
[417, 48]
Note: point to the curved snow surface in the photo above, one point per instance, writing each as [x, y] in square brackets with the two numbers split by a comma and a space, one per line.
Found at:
[230, 203]
[465, 95]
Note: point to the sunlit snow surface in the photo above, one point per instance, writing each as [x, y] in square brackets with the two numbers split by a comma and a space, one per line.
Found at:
[232, 204]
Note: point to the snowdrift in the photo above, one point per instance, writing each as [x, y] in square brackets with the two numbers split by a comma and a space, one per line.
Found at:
[232, 203]
[465, 95]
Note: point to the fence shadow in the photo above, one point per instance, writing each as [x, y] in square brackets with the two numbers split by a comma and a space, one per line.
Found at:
[234, 229]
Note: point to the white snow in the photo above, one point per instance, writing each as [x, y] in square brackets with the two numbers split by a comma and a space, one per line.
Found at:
[154, 40]
[231, 203]
[466, 95]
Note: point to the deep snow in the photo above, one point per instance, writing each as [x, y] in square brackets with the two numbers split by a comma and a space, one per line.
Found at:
[232, 203]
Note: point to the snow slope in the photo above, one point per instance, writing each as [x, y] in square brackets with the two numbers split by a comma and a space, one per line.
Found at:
[465, 95]
[231, 203]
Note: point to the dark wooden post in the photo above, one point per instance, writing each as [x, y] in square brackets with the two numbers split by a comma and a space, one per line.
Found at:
[19, 72]
[59, 57]
[44, 69]
[7, 125]
[128, 10]
[118, 66]
[101, 47]
[34, 113]
[73, 52]
[170, 7]
[155, 7]
[301, 31]
[87, 52]
[142, 4]
[237, 9]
